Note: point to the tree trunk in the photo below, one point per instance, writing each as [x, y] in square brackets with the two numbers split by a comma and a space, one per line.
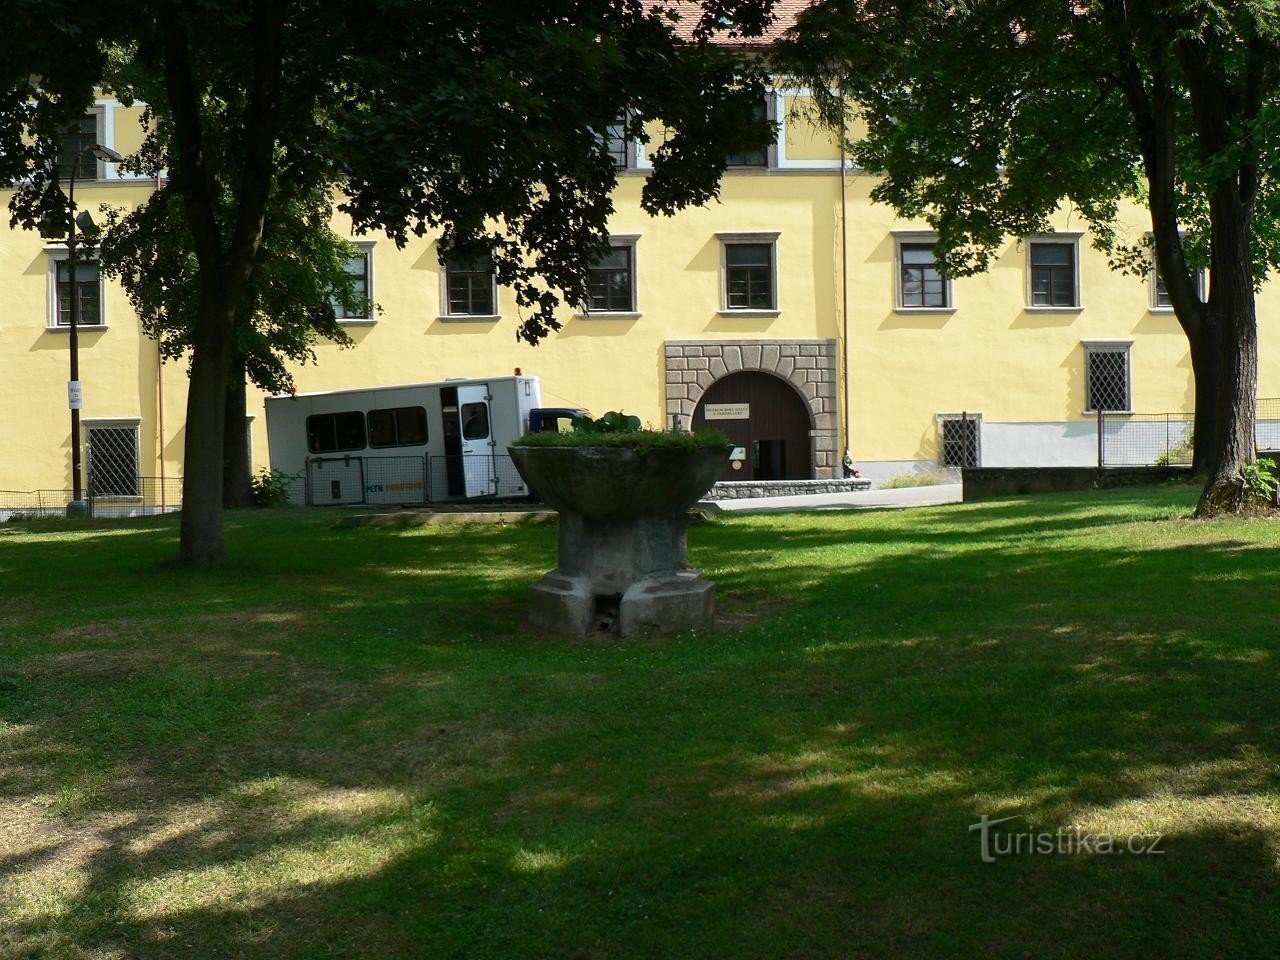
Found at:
[237, 487]
[201, 534]
[1231, 307]
[1204, 370]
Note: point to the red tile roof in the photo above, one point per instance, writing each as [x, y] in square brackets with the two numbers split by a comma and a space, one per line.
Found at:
[783, 16]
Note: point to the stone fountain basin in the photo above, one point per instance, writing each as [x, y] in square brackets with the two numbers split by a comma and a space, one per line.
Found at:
[620, 483]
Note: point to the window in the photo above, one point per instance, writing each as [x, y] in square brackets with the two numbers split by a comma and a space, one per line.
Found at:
[75, 140]
[469, 288]
[1107, 376]
[398, 427]
[113, 460]
[611, 282]
[960, 439]
[920, 282]
[616, 144]
[475, 421]
[1160, 293]
[87, 290]
[749, 281]
[359, 268]
[1053, 274]
[330, 432]
[752, 158]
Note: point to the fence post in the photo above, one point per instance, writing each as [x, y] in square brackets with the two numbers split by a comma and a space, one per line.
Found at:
[1102, 457]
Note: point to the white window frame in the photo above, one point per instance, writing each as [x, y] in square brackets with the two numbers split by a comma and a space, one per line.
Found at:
[771, 155]
[903, 238]
[770, 238]
[448, 317]
[1124, 347]
[1063, 238]
[1153, 303]
[366, 247]
[782, 119]
[628, 240]
[55, 254]
[89, 424]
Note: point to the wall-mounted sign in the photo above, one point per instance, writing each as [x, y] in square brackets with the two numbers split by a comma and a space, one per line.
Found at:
[727, 411]
[75, 395]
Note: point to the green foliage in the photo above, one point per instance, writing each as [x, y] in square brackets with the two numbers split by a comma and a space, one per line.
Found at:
[615, 421]
[1259, 479]
[271, 488]
[1180, 454]
[640, 439]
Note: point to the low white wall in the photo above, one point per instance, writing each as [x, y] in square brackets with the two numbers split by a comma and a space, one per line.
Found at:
[1068, 444]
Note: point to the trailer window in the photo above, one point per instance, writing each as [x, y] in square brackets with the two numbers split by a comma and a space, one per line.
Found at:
[329, 432]
[475, 421]
[398, 427]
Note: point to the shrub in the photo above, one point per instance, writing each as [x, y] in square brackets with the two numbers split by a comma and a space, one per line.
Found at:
[1259, 479]
[271, 487]
[639, 439]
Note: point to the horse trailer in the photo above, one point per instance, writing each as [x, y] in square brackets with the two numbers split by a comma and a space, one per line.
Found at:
[417, 443]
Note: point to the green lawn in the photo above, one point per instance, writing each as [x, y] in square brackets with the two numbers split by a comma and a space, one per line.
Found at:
[344, 744]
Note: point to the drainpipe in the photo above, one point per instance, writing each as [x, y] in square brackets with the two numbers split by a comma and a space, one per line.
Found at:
[844, 283]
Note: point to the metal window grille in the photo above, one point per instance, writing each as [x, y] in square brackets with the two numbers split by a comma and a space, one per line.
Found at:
[960, 442]
[1108, 378]
[113, 461]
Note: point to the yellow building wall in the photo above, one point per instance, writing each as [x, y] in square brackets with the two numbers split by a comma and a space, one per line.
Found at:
[990, 355]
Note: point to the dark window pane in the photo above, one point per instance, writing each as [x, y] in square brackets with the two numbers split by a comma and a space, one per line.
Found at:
[475, 421]
[615, 143]
[1050, 254]
[411, 426]
[350, 430]
[747, 254]
[382, 428]
[327, 432]
[751, 158]
[922, 283]
[609, 282]
[87, 289]
[72, 148]
[470, 287]
[358, 268]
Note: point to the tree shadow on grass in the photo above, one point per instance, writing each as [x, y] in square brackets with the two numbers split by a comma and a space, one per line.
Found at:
[377, 772]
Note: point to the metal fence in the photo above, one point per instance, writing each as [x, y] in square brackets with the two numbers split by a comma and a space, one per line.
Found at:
[338, 481]
[1167, 439]
[126, 497]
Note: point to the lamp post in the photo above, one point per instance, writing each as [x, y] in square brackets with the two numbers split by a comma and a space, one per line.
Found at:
[75, 395]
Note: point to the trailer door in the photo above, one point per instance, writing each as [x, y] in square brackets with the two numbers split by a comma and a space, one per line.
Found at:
[477, 439]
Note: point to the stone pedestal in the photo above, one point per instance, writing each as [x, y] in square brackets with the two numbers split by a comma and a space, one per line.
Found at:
[623, 556]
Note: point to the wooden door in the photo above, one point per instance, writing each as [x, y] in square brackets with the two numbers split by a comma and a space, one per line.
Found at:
[766, 417]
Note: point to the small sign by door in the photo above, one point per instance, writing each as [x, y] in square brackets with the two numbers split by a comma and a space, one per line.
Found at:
[727, 411]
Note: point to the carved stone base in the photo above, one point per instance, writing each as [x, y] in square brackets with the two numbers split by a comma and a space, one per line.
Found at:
[665, 604]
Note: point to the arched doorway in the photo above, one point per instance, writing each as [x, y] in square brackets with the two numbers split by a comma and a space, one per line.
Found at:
[762, 414]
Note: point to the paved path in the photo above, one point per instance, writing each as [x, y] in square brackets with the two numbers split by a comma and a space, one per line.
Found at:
[861, 500]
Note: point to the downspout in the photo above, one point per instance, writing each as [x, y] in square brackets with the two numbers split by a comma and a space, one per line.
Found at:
[160, 420]
[164, 493]
[844, 283]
